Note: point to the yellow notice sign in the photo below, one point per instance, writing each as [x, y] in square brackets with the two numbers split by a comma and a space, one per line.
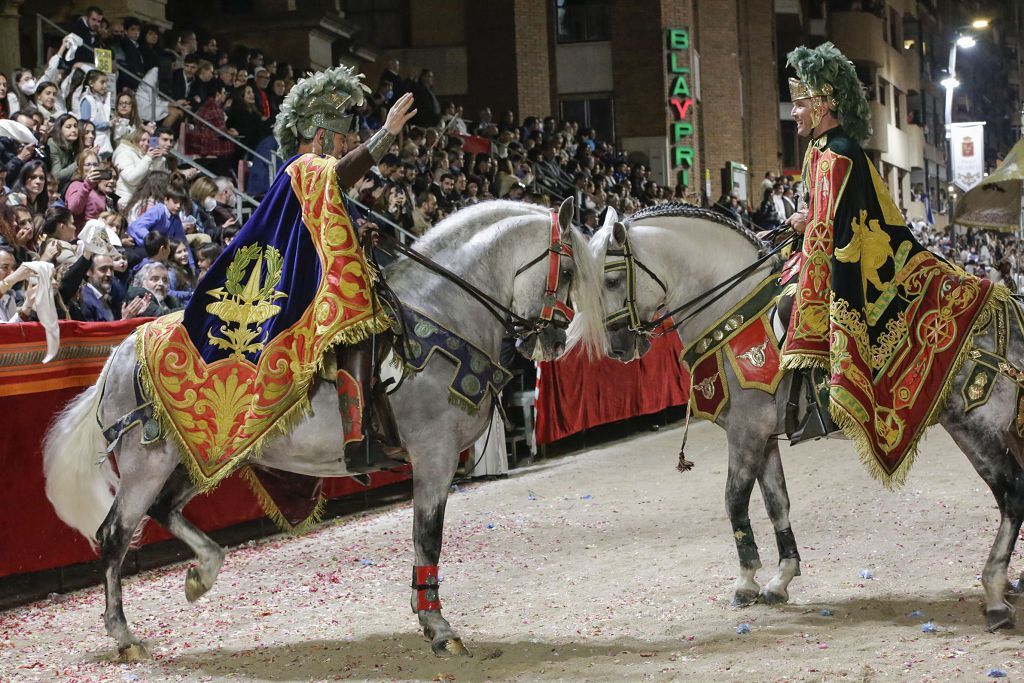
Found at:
[104, 60]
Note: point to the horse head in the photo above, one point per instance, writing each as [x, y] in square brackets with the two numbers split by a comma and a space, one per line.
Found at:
[658, 259]
[569, 278]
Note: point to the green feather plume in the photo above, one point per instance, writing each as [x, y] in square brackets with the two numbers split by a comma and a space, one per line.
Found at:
[826, 64]
[317, 93]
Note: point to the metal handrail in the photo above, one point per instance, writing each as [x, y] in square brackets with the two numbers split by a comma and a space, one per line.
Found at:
[40, 19]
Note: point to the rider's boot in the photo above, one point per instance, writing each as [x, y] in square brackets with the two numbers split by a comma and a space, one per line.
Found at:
[368, 454]
[815, 422]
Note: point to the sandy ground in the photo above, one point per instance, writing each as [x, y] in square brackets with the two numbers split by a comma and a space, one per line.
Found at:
[605, 565]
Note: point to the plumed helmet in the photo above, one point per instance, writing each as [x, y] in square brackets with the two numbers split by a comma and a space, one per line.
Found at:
[322, 100]
[823, 71]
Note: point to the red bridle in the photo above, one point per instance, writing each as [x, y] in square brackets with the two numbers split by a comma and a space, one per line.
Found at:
[555, 251]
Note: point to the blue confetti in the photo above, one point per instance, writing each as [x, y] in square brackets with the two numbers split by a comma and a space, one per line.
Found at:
[995, 673]
[742, 629]
[530, 495]
[826, 612]
[490, 525]
[867, 574]
[928, 627]
[917, 613]
[586, 497]
[366, 563]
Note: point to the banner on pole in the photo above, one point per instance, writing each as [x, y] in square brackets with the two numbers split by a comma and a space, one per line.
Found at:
[968, 142]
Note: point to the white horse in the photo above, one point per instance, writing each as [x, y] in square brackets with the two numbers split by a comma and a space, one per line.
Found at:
[495, 247]
[678, 253]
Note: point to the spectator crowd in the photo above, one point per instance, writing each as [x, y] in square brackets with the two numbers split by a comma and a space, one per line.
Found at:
[130, 195]
[128, 180]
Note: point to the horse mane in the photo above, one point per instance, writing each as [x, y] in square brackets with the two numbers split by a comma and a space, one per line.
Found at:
[684, 210]
[461, 227]
[466, 227]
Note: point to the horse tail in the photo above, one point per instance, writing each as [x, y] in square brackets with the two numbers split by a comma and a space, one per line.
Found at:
[80, 479]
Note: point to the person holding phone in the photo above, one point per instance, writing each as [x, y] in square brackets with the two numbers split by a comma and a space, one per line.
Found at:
[89, 196]
[139, 154]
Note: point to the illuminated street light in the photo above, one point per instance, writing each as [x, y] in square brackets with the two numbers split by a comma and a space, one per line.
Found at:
[965, 42]
[949, 82]
[979, 23]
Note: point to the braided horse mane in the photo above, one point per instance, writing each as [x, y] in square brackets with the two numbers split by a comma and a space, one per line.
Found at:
[684, 210]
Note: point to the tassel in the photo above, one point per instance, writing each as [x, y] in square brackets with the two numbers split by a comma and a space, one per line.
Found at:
[685, 465]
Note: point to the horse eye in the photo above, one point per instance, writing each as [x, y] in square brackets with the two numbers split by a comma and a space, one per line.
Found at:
[566, 272]
[612, 281]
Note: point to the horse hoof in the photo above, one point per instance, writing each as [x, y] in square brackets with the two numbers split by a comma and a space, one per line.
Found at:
[136, 652]
[194, 586]
[744, 598]
[773, 598]
[450, 647]
[999, 618]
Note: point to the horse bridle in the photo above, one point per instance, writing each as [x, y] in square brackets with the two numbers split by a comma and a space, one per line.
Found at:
[665, 322]
[515, 325]
[629, 312]
[557, 248]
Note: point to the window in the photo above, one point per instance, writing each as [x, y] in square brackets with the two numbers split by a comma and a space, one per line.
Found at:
[895, 34]
[883, 92]
[591, 111]
[897, 105]
[383, 21]
[582, 20]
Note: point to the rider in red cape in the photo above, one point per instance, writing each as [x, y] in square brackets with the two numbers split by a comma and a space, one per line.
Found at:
[888, 321]
[236, 367]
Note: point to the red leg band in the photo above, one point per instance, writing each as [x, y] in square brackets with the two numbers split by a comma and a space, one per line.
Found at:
[426, 583]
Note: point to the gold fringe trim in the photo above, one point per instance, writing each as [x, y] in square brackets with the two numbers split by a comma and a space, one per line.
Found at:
[997, 295]
[352, 334]
[272, 511]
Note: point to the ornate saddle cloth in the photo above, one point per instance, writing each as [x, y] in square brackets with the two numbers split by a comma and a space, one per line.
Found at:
[235, 368]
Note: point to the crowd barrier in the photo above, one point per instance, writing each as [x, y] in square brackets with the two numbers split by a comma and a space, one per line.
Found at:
[572, 396]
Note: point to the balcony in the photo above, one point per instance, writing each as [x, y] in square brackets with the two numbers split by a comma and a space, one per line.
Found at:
[879, 140]
[861, 37]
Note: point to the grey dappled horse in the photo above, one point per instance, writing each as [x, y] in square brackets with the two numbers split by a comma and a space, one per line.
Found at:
[486, 245]
[691, 254]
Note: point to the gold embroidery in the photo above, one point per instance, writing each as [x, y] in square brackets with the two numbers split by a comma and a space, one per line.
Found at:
[977, 388]
[248, 305]
[706, 387]
[1019, 421]
[890, 341]
[755, 354]
[870, 247]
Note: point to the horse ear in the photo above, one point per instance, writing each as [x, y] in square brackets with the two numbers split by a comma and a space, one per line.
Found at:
[611, 216]
[618, 234]
[565, 212]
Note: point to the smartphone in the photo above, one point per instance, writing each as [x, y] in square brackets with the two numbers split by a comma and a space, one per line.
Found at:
[104, 175]
[154, 141]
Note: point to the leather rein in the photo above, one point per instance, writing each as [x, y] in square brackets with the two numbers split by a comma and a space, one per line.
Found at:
[666, 322]
[516, 325]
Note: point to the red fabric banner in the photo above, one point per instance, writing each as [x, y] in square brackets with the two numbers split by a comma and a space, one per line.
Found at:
[475, 144]
[574, 394]
[31, 535]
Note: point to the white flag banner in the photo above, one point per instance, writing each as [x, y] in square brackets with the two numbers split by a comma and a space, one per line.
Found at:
[968, 153]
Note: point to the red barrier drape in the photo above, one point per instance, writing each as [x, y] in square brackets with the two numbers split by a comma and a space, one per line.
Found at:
[32, 538]
[574, 394]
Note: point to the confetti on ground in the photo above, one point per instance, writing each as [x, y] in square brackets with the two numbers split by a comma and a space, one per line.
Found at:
[826, 612]
[917, 614]
[995, 673]
[928, 627]
[866, 574]
[742, 629]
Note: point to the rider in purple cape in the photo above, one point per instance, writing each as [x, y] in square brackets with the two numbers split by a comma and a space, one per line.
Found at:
[236, 367]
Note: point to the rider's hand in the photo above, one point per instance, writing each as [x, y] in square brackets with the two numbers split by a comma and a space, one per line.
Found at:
[798, 221]
[400, 114]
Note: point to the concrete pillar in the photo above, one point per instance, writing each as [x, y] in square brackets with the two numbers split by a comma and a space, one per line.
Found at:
[10, 37]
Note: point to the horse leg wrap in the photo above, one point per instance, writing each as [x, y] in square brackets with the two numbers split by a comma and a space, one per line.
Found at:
[746, 547]
[787, 547]
[426, 583]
